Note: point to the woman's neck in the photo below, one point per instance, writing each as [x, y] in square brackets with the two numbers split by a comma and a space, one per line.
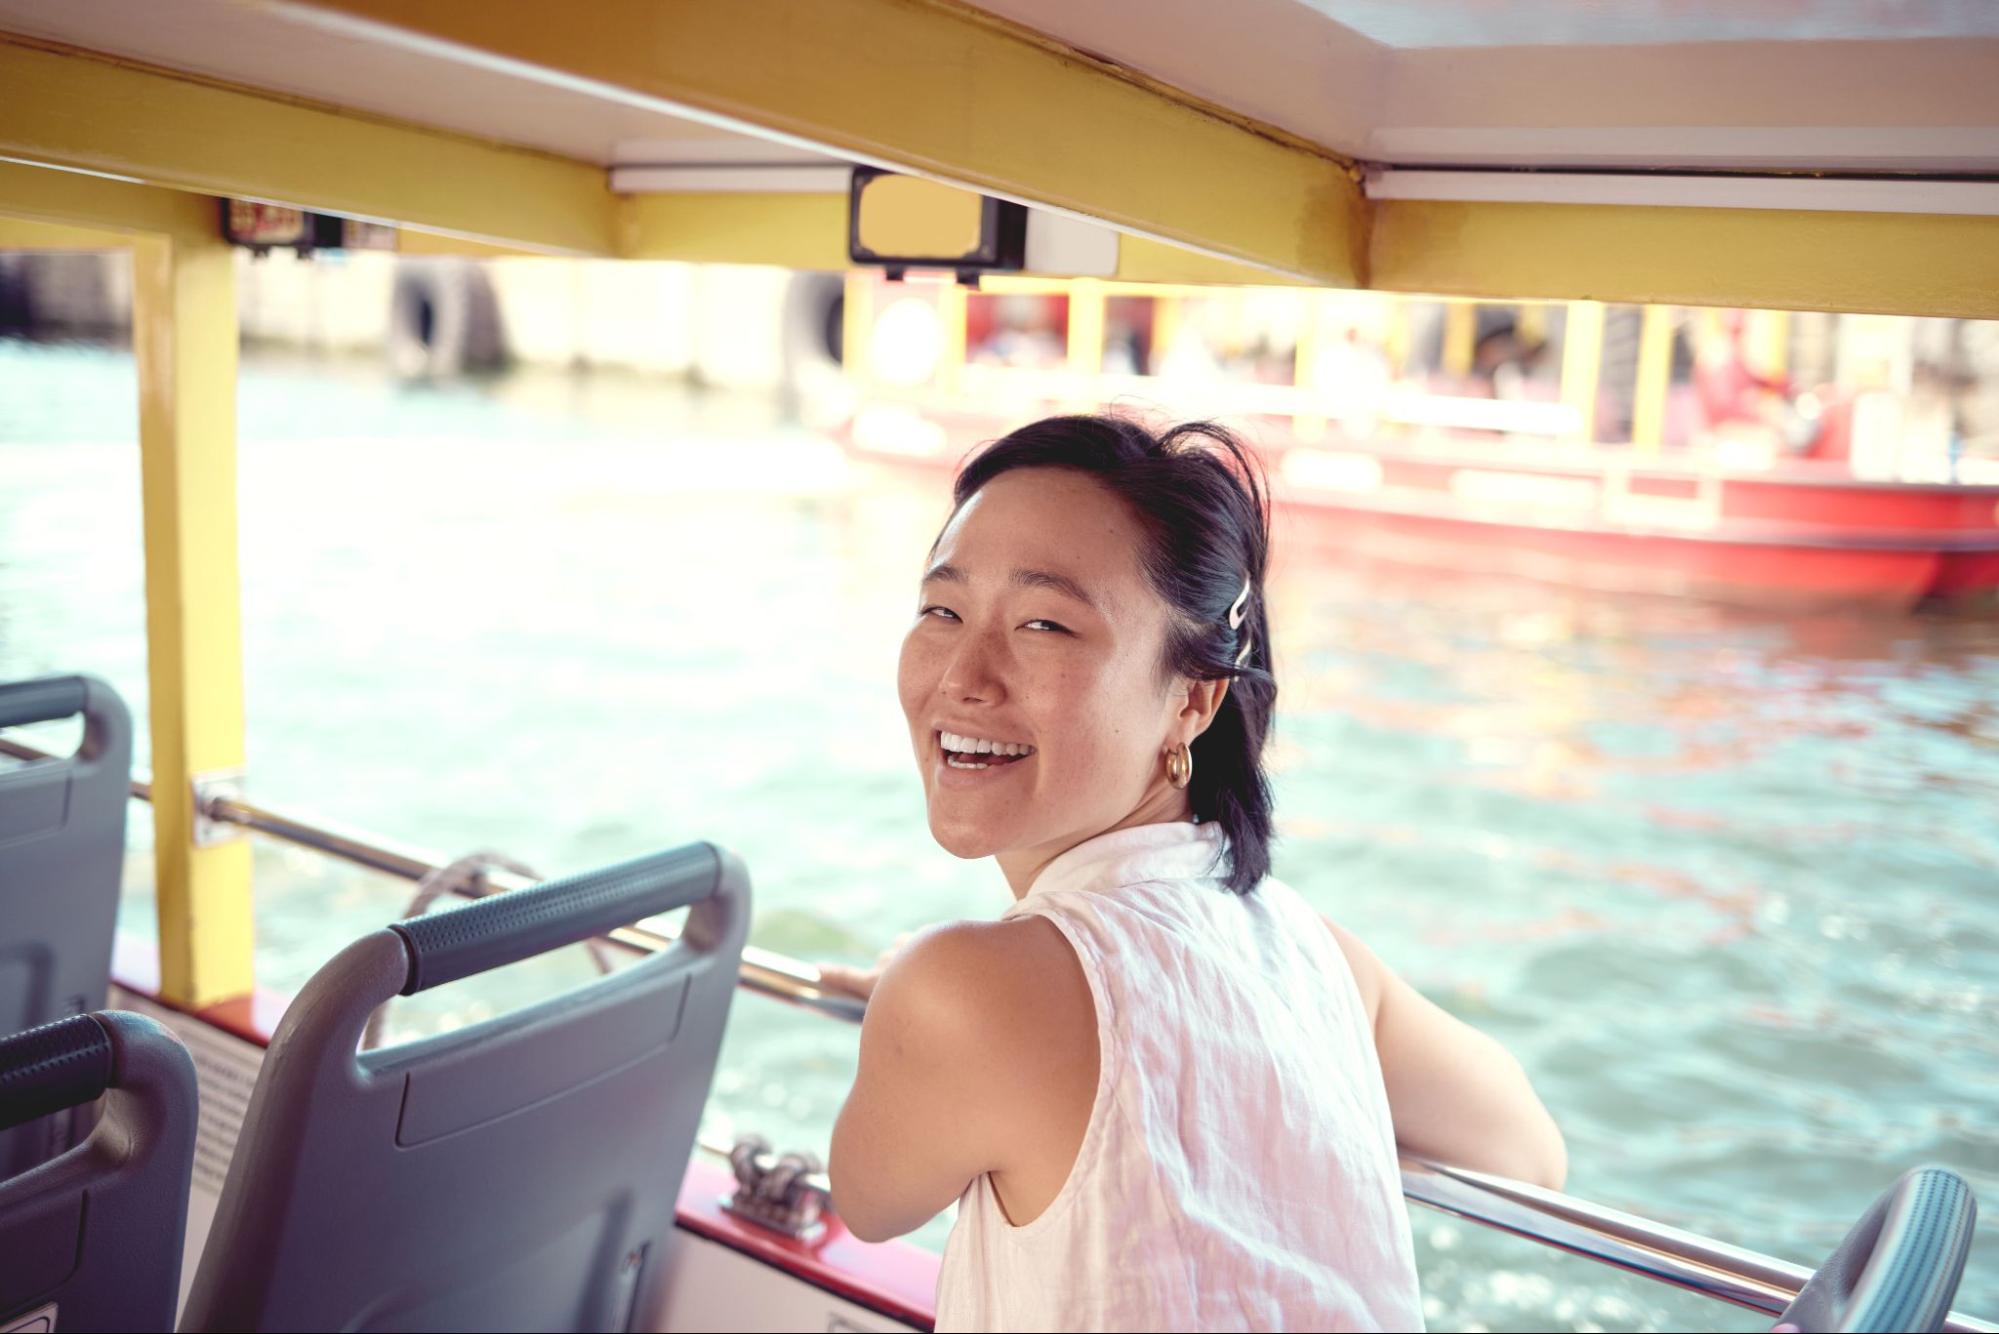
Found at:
[1164, 804]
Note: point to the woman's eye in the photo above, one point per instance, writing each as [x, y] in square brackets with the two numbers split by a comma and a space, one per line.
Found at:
[940, 613]
[1047, 625]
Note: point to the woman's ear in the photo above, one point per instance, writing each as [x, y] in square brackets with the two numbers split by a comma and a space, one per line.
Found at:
[1204, 699]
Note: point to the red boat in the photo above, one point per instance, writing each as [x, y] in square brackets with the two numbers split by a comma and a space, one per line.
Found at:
[1730, 487]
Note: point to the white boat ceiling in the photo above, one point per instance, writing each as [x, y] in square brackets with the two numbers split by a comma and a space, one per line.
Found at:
[264, 48]
[1337, 142]
[1663, 84]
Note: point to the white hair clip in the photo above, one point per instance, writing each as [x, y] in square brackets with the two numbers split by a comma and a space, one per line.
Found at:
[1236, 609]
[1243, 656]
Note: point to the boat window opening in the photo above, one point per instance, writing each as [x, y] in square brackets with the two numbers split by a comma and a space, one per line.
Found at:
[1247, 336]
[1131, 327]
[61, 737]
[833, 329]
[1019, 330]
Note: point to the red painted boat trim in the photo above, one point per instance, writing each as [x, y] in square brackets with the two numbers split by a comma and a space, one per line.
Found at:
[895, 1278]
[135, 966]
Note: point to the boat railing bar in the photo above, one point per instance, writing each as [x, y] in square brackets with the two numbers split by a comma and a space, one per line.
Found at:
[1609, 1236]
[1664, 1254]
[762, 971]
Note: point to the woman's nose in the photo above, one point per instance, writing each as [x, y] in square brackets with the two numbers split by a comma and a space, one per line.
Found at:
[972, 675]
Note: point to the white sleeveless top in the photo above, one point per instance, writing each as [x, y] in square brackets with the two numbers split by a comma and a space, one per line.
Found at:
[1239, 1169]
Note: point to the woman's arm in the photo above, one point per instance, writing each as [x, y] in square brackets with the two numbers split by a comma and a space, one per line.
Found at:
[1455, 1093]
[915, 1128]
[978, 1054]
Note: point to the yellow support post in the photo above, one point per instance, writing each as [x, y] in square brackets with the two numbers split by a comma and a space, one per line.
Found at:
[1086, 339]
[1582, 359]
[1769, 339]
[1460, 337]
[1655, 379]
[952, 308]
[1310, 425]
[185, 336]
[857, 324]
[1532, 323]
[1166, 318]
[1395, 336]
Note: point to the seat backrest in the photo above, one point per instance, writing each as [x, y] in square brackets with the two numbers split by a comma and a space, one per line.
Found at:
[519, 1173]
[62, 854]
[93, 1237]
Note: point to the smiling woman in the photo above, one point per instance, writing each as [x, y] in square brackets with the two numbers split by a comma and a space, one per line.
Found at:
[1159, 1086]
[1045, 625]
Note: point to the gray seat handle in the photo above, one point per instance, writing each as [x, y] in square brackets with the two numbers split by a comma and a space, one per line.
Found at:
[519, 924]
[1899, 1266]
[53, 1067]
[41, 700]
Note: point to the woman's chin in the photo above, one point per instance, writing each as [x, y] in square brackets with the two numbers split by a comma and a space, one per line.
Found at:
[965, 838]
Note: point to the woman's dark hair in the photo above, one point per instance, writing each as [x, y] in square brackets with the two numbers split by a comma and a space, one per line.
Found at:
[1201, 502]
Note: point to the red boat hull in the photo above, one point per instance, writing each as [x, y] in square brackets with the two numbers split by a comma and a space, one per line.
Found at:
[1605, 517]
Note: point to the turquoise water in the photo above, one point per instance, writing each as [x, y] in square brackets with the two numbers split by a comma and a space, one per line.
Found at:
[1727, 882]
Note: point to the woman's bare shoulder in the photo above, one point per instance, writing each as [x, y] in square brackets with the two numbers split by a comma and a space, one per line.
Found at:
[1010, 983]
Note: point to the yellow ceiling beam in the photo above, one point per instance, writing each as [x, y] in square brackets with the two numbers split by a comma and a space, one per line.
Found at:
[793, 231]
[18, 234]
[1144, 260]
[410, 241]
[1875, 263]
[127, 208]
[82, 110]
[934, 87]
[807, 231]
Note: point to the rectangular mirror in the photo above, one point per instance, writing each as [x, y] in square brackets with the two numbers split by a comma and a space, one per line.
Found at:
[907, 222]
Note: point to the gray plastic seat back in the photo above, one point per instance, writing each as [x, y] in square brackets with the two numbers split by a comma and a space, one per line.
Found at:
[62, 854]
[520, 1173]
[97, 1232]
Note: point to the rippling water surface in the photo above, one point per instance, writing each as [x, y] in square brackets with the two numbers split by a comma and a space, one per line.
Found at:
[1727, 882]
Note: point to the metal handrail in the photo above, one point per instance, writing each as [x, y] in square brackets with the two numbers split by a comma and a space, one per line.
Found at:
[1609, 1236]
[763, 971]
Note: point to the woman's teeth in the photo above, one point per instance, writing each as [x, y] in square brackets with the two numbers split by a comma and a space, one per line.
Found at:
[968, 752]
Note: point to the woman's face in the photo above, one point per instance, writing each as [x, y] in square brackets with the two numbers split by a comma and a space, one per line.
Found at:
[1031, 678]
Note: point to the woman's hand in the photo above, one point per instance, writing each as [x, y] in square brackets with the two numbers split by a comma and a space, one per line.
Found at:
[861, 981]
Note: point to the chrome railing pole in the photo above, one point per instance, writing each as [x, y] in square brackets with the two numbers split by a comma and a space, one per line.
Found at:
[1608, 1236]
[762, 971]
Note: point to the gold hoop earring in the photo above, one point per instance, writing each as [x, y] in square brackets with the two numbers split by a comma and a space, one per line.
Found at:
[1180, 766]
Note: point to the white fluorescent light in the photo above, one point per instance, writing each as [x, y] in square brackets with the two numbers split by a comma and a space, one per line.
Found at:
[1819, 194]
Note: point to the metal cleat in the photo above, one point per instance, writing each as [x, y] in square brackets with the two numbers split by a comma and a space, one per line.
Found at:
[787, 1194]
